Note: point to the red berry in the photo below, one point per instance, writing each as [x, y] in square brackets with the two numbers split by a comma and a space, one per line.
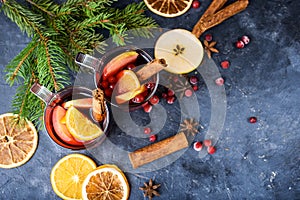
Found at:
[152, 138]
[175, 78]
[112, 79]
[130, 66]
[225, 64]
[164, 95]
[154, 100]
[207, 143]
[211, 149]
[104, 84]
[219, 81]
[208, 37]
[197, 146]
[240, 44]
[171, 93]
[147, 130]
[138, 98]
[195, 87]
[150, 85]
[196, 4]
[147, 108]
[193, 80]
[252, 120]
[170, 100]
[112, 86]
[188, 92]
[245, 39]
[108, 92]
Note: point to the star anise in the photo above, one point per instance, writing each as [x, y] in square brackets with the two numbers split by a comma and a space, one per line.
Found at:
[210, 47]
[150, 189]
[190, 126]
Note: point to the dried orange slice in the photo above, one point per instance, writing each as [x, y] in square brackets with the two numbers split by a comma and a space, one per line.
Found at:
[168, 8]
[18, 140]
[107, 182]
[80, 126]
[68, 174]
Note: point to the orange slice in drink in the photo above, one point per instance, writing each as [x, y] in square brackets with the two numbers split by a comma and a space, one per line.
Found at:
[122, 98]
[80, 126]
[68, 174]
[107, 182]
[18, 140]
[168, 8]
[127, 81]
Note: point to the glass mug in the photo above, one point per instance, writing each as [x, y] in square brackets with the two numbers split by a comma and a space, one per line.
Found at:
[107, 84]
[55, 100]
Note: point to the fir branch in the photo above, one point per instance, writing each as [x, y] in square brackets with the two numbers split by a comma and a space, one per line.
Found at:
[26, 20]
[14, 66]
[40, 7]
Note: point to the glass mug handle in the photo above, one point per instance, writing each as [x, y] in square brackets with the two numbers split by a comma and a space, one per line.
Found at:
[87, 61]
[41, 92]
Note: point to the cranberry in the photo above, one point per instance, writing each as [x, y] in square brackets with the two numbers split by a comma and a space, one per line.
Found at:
[197, 146]
[150, 85]
[245, 39]
[171, 93]
[112, 79]
[138, 98]
[170, 100]
[219, 81]
[193, 80]
[188, 92]
[175, 79]
[195, 87]
[207, 143]
[147, 130]
[130, 66]
[225, 64]
[112, 86]
[108, 92]
[154, 100]
[196, 4]
[104, 84]
[164, 95]
[152, 138]
[211, 149]
[252, 120]
[208, 37]
[147, 108]
[240, 44]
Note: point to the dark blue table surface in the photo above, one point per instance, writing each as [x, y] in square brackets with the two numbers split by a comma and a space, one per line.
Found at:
[253, 161]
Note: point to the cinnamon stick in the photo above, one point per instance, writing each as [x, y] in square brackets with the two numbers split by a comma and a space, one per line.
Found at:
[150, 69]
[211, 19]
[158, 150]
[98, 105]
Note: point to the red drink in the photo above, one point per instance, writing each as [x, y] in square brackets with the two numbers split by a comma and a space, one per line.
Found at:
[56, 108]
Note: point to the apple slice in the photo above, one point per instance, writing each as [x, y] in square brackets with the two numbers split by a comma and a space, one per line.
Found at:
[181, 49]
[122, 98]
[61, 129]
[78, 103]
[118, 63]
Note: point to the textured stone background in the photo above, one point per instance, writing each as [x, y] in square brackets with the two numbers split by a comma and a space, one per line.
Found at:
[253, 161]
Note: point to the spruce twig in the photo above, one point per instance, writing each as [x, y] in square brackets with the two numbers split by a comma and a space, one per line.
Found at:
[59, 32]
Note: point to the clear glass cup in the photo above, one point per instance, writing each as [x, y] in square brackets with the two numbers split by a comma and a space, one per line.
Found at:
[98, 65]
[53, 100]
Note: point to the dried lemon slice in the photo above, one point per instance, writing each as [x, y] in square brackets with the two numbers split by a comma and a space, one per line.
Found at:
[68, 174]
[107, 182]
[18, 140]
[181, 49]
[168, 8]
